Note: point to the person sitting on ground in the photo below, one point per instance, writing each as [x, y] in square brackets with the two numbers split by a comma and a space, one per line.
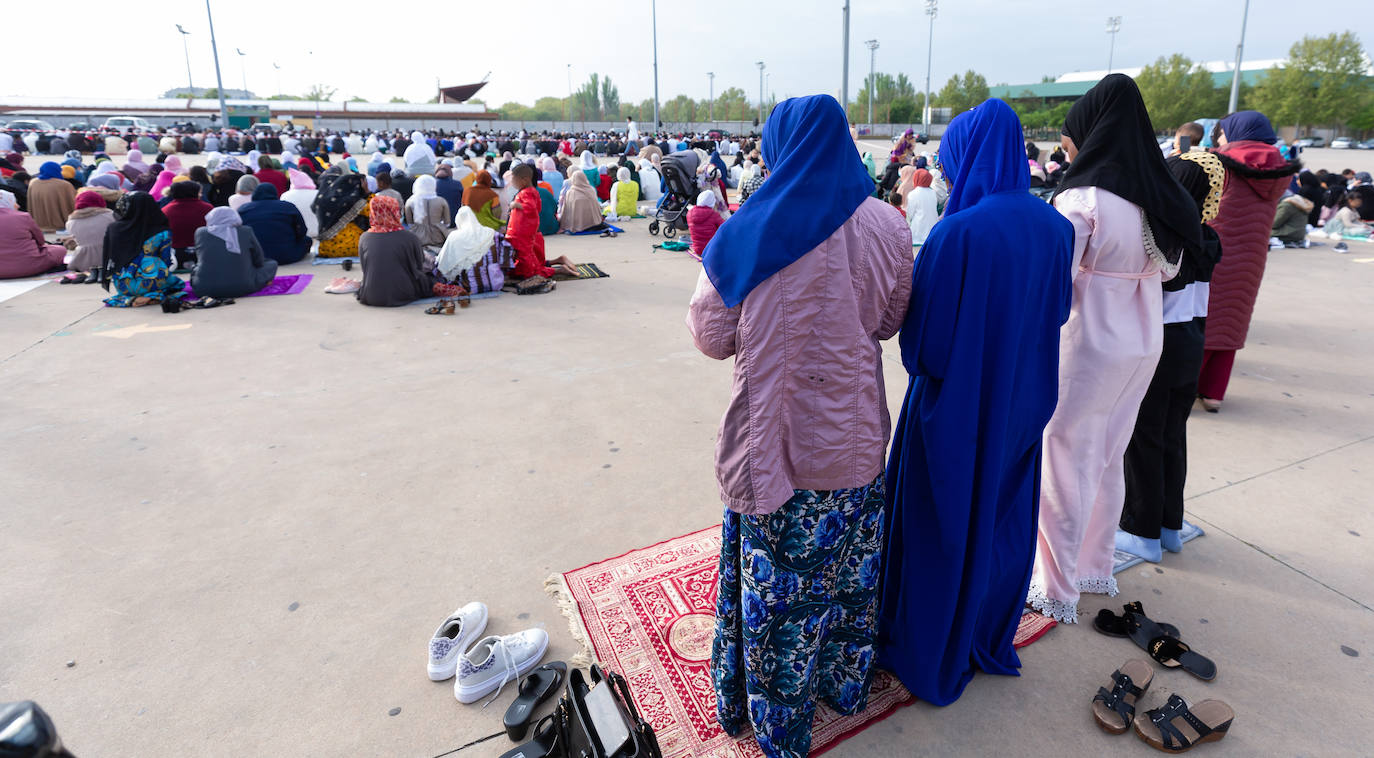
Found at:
[1346, 222]
[232, 263]
[224, 182]
[51, 198]
[702, 221]
[650, 181]
[484, 201]
[243, 191]
[1290, 221]
[921, 214]
[426, 214]
[267, 173]
[448, 188]
[548, 210]
[623, 197]
[754, 182]
[185, 214]
[384, 187]
[277, 224]
[580, 209]
[393, 262]
[523, 231]
[86, 231]
[138, 249]
[23, 251]
[302, 195]
[419, 156]
[551, 175]
[341, 208]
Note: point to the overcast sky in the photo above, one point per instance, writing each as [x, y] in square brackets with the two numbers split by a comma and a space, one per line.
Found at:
[138, 54]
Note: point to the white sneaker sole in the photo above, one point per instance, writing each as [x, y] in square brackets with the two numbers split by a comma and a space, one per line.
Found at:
[439, 672]
[473, 693]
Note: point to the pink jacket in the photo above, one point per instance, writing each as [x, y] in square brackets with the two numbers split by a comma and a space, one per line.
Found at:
[702, 223]
[808, 410]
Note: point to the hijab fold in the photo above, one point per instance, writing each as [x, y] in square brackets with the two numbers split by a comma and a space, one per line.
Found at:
[480, 194]
[465, 245]
[224, 222]
[384, 213]
[1248, 125]
[1117, 152]
[768, 233]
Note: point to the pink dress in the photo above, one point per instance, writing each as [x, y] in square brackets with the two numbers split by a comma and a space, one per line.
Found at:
[1107, 354]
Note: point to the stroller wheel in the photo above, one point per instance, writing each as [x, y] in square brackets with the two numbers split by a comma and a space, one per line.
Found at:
[653, 227]
[670, 231]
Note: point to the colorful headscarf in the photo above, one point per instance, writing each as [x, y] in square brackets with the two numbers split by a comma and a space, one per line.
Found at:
[385, 214]
[1216, 177]
[89, 199]
[50, 170]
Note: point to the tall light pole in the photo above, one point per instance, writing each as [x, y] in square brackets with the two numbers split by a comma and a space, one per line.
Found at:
[712, 102]
[872, 76]
[568, 103]
[187, 52]
[243, 70]
[932, 8]
[1113, 26]
[1234, 102]
[219, 81]
[654, 6]
[844, 82]
[278, 68]
[761, 67]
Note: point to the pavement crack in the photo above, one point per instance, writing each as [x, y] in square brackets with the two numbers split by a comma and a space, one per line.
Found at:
[45, 337]
[1277, 469]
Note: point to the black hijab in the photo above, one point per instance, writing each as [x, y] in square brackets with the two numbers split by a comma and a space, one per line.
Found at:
[137, 218]
[1117, 152]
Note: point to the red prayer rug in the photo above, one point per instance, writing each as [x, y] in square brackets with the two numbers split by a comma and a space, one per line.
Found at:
[650, 615]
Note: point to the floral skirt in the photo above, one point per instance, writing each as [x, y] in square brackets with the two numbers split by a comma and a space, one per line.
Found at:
[146, 277]
[342, 245]
[796, 614]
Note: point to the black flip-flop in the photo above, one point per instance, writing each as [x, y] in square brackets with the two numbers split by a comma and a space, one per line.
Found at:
[1167, 650]
[537, 686]
[543, 744]
[1112, 625]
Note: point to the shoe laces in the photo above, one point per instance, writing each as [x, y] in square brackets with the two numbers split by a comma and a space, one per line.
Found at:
[508, 663]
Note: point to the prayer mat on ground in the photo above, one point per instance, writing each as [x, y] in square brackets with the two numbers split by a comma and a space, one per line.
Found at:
[584, 271]
[1123, 561]
[598, 229]
[650, 615]
[293, 284]
[318, 261]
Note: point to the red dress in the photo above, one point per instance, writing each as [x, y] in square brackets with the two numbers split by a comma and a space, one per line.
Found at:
[523, 234]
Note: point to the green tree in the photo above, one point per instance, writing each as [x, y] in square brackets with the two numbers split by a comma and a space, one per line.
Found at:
[680, 108]
[961, 93]
[322, 92]
[1322, 82]
[551, 109]
[732, 105]
[396, 99]
[1177, 91]
[610, 98]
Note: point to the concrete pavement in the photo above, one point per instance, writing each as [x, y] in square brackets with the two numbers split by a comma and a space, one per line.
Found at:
[244, 532]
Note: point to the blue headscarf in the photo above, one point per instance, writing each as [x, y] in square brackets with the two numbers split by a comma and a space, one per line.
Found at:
[719, 163]
[816, 183]
[1248, 125]
[50, 170]
[997, 165]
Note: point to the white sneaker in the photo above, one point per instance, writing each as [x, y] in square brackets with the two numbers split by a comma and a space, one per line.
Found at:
[496, 661]
[453, 637]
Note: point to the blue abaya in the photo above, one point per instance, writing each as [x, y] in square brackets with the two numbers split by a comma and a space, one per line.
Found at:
[991, 288]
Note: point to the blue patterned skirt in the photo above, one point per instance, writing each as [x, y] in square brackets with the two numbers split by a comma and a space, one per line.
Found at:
[797, 613]
[148, 276]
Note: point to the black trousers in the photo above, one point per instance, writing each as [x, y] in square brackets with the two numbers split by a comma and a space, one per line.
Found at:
[1157, 458]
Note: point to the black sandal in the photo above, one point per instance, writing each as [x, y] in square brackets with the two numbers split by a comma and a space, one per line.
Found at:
[1117, 708]
[535, 689]
[1209, 721]
[1112, 625]
[1169, 651]
[543, 744]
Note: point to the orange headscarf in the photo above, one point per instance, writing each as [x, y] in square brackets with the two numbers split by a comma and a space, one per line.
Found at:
[385, 214]
[480, 194]
[922, 178]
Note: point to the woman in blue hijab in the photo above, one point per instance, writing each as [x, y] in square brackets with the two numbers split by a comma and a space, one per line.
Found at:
[799, 287]
[991, 288]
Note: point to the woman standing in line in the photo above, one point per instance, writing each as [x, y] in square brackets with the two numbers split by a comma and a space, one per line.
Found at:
[1131, 221]
[799, 287]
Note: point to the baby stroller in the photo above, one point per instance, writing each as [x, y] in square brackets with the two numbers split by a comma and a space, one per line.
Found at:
[679, 178]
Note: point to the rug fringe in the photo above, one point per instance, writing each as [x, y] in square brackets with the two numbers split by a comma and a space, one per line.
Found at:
[557, 588]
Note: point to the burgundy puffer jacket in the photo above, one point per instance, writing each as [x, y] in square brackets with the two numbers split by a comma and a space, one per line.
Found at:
[1256, 177]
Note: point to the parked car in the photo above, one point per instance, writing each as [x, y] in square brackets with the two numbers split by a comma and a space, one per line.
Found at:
[1342, 143]
[184, 127]
[1366, 145]
[81, 126]
[1317, 141]
[29, 125]
[266, 128]
[125, 123]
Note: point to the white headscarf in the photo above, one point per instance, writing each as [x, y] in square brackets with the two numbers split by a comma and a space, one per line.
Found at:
[623, 175]
[707, 198]
[7, 200]
[465, 245]
[223, 222]
[588, 160]
[421, 192]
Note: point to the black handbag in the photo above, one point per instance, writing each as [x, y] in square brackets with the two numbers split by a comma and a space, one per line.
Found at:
[597, 718]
